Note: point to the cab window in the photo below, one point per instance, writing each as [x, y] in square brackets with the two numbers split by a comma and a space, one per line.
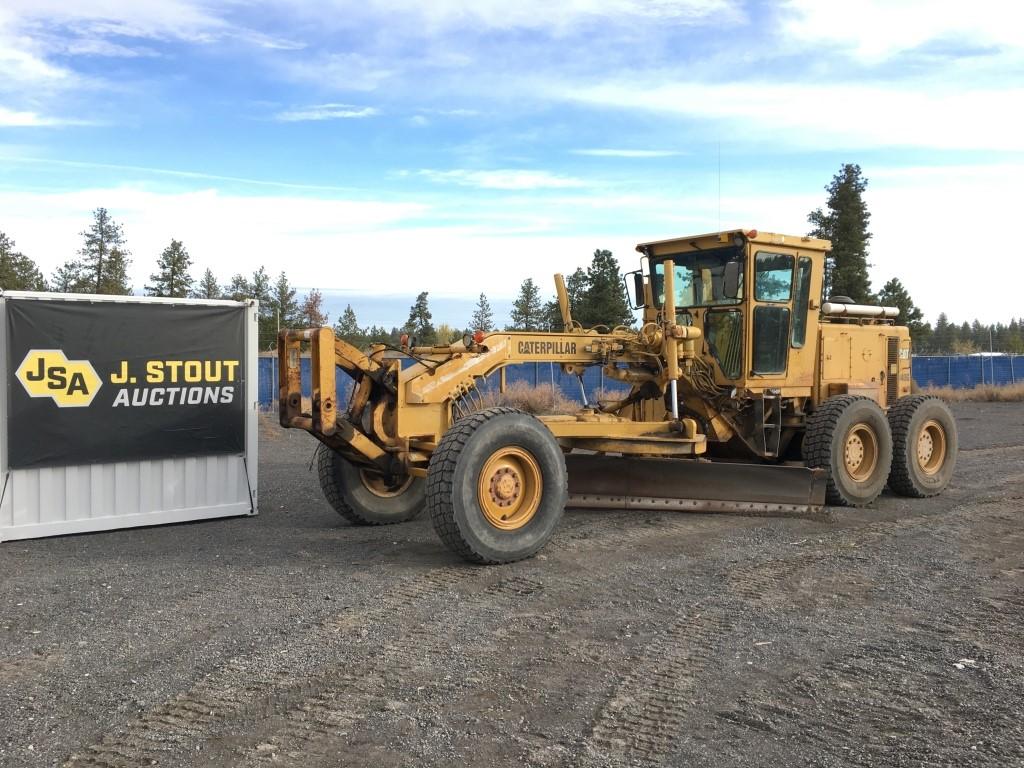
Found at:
[803, 295]
[773, 277]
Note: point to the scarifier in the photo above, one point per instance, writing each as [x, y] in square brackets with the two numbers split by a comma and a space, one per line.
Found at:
[747, 393]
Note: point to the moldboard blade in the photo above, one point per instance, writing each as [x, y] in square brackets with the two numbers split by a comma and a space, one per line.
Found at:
[627, 482]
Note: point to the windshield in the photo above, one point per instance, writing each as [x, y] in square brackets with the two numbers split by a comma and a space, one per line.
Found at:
[698, 278]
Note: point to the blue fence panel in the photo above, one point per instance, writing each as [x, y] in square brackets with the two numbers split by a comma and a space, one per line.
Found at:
[594, 380]
[958, 371]
[964, 371]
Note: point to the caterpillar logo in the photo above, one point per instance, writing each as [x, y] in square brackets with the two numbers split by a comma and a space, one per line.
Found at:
[48, 373]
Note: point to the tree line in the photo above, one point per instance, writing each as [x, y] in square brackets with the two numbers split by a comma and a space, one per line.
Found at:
[596, 297]
[101, 267]
[596, 294]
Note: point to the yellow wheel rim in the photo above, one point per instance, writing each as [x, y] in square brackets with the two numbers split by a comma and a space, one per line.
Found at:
[931, 447]
[509, 488]
[860, 452]
[376, 485]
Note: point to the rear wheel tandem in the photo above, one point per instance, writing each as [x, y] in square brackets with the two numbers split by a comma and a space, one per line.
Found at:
[849, 436]
[924, 446]
[364, 497]
[496, 486]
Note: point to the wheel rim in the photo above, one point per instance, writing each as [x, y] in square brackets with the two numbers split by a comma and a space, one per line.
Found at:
[509, 488]
[378, 486]
[860, 452]
[931, 447]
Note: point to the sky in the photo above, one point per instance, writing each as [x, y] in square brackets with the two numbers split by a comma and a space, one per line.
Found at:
[382, 148]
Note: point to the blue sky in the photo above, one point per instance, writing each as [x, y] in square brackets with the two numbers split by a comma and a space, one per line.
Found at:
[380, 148]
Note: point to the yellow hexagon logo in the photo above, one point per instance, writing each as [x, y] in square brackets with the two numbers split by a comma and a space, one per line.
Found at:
[48, 373]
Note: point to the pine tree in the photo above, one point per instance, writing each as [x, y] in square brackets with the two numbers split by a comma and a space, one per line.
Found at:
[419, 323]
[347, 328]
[312, 310]
[846, 225]
[259, 289]
[103, 267]
[17, 271]
[208, 287]
[527, 309]
[576, 287]
[67, 278]
[282, 304]
[603, 301]
[894, 294]
[172, 278]
[942, 336]
[238, 289]
[483, 317]
[115, 274]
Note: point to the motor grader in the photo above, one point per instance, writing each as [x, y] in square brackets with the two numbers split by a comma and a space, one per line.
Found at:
[747, 392]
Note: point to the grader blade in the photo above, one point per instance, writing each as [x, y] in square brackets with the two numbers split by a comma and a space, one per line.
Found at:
[623, 482]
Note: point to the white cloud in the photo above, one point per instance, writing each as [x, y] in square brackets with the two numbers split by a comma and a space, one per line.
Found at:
[506, 179]
[12, 118]
[802, 115]
[325, 112]
[877, 29]
[636, 153]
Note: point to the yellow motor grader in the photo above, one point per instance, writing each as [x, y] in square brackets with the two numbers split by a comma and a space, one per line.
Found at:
[747, 393]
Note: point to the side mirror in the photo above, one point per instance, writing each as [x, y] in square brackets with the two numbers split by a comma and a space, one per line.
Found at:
[638, 289]
[637, 299]
[731, 280]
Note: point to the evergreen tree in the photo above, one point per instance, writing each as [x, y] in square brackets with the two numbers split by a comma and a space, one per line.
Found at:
[103, 267]
[942, 336]
[259, 289]
[483, 317]
[17, 271]
[238, 289]
[312, 310]
[527, 310]
[115, 275]
[208, 287]
[419, 323]
[347, 328]
[67, 278]
[576, 287]
[603, 301]
[894, 294]
[172, 278]
[846, 225]
[282, 303]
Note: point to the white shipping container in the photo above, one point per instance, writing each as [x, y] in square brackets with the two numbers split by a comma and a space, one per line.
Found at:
[51, 501]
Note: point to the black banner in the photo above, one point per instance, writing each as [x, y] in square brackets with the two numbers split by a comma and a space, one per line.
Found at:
[93, 382]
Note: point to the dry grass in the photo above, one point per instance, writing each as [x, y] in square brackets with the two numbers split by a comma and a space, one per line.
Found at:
[983, 393]
[543, 399]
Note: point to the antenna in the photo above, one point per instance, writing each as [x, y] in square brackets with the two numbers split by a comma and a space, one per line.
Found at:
[719, 186]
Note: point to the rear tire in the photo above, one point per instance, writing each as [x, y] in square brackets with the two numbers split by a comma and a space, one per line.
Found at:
[496, 486]
[362, 497]
[849, 437]
[925, 446]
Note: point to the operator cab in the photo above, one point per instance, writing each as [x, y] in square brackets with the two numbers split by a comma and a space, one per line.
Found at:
[712, 275]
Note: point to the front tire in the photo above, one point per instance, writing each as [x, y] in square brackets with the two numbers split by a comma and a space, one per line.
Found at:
[925, 446]
[363, 497]
[849, 436]
[496, 486]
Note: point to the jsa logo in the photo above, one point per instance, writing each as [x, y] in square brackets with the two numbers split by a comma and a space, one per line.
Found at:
[48, 373]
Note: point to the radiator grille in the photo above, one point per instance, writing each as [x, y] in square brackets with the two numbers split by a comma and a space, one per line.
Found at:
[892, 376]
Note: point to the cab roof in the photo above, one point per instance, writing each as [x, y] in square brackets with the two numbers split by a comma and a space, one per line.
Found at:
[715, 239]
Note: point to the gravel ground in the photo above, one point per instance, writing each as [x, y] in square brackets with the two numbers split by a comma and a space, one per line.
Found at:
[887, 636]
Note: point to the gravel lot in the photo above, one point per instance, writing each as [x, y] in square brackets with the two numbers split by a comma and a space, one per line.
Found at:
[888, 636]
